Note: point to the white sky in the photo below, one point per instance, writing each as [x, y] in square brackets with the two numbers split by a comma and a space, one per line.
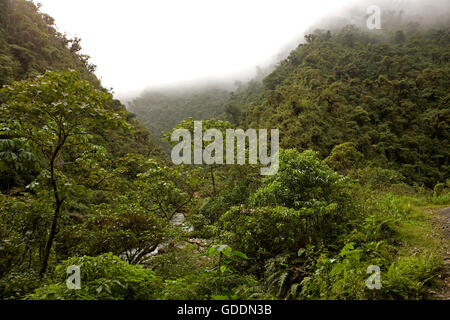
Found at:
[142, 43]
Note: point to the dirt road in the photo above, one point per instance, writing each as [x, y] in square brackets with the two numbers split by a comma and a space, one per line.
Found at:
[443, 221]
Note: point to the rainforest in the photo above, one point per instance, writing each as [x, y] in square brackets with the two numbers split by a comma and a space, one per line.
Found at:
[358, 208]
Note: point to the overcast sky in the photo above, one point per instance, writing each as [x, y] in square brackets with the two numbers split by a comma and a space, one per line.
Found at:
[143, 43]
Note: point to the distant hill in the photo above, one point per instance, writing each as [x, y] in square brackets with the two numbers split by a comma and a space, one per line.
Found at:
[384, 90]
[387, 91]
[162, 110]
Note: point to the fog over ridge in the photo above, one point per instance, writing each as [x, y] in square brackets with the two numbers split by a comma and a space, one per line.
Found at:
[159, 45]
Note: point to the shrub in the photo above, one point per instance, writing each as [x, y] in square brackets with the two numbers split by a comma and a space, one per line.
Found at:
[264, 233]
[343, 157]
[438, 189]
[304, 203]
[18, 283]
[379, 177]
[408, 277]
[211, 285]
[340, 277]
[105, 277]
[302, 180]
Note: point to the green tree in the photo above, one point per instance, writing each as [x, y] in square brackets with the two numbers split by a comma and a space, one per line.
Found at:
[305, 203]
[53, 113]
[188, 124]
[303, 180]
[18, 164]
[344, 157]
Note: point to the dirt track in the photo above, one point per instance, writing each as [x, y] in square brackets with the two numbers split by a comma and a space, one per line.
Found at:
[443, 221]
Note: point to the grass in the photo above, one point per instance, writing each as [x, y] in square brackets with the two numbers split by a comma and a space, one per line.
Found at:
[421, 245]
[416, 231]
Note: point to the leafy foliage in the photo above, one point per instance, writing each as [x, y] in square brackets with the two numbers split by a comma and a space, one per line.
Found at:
[84, 184]
[389, 98]
[105, 277]
[162, 111]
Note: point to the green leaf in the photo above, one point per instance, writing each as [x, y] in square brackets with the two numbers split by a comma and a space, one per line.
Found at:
[301, 252]
[240, 254]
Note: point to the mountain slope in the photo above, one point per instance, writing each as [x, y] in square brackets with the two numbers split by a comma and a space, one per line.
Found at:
[30, 45]
[160, 111]
[386, 92]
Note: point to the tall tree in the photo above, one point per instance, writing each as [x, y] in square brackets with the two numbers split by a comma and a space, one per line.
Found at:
[54, 113]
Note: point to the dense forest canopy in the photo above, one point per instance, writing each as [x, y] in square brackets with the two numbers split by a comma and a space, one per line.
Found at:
[364, 127]
[30, 44]
[384, 90]
[161, 111]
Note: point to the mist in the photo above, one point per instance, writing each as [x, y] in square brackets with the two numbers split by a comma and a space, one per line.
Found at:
[148, 44]
[161, 45]
[424, 13]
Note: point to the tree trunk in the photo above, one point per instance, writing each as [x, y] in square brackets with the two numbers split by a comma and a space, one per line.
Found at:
[58, 205]
[51, 237]
[213, 181]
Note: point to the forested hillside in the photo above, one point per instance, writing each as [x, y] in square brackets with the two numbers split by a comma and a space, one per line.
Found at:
[31, 45]
[385, 92]
[388, 94]
[162, 110]
[364, 128]
[53, 74]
